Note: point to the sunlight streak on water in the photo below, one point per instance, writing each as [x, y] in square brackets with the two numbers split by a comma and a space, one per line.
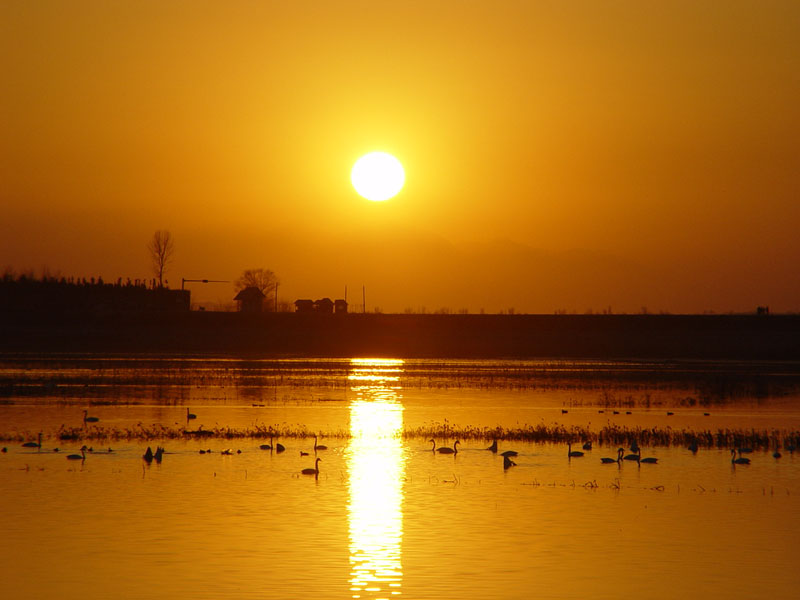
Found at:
[376, 466]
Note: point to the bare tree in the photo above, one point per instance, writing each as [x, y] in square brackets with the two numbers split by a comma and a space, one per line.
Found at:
[263, 279]
[161, 248]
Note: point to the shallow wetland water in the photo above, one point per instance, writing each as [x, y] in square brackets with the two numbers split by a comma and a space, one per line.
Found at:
[386, 516]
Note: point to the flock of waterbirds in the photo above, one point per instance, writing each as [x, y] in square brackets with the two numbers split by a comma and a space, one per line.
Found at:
[635, 454]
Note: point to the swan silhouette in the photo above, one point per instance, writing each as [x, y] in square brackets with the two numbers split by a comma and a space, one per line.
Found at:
[738, 461]
[190, 415]
[608, 461]
[507, 462]
[88, 419]
[493, 447]
[649, 460]
[314, 471]
[81, 456]
[446, 450]
[34, 444]
[573, 453]
[318, 446]
[635, 456]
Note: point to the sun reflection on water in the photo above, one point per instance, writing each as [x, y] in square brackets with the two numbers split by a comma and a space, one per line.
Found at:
[376, 466]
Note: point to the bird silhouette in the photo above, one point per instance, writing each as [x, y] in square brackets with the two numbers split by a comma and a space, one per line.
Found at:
[81, 456]
[318, 446]
[573, 453]
[88, 419]
[738, 461]
[315, 470]
[650, 460]
[493, 447]
[507, 462]
[34, 444]
[190, 415]
[446, 450]
[607, 461]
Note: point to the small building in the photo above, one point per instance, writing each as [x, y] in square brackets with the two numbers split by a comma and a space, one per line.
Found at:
[324, 306]
[340, 307]
[250, 299]
[304, 306]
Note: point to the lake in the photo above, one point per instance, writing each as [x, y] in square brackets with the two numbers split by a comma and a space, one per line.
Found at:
[386, 516]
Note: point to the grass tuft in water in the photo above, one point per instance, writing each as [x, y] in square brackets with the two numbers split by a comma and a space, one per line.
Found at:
[611, 435]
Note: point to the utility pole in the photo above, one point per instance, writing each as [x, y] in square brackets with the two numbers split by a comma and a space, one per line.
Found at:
[364, 298]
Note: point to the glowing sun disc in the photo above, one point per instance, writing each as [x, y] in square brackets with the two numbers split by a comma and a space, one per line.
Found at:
[377, 176]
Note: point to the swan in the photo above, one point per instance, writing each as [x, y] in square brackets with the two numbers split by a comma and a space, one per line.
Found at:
[81, 456]
[314, 471]
[635, 456]
[777, 453]
[148, 455]
[434, 445]
[608, 461]
[34, 444]
[587, 446]
[573, 453]
[509, 453]
[738, 461]
[493, 447]
[693, 447]
[507, 462]
[453, 450]
[265, 447]
[158, 454]
[318, 446]
[88, 419]
[190, 415]
[649, 460]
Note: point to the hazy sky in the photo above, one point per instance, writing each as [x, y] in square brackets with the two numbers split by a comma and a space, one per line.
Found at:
[559, 155]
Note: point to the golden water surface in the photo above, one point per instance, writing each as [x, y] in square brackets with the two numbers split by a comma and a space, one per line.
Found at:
[386, 517]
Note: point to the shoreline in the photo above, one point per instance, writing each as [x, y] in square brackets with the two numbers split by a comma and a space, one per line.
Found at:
[737, 337]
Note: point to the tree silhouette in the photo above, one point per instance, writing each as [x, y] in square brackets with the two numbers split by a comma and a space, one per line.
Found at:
[161, 248]
[263, 279]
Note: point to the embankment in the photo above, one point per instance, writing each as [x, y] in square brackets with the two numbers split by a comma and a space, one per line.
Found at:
[742, 337]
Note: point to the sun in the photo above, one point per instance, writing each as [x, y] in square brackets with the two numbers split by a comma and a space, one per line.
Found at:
[378, 176]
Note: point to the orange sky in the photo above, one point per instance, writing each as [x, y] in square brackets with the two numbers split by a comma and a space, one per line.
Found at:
[559, 155]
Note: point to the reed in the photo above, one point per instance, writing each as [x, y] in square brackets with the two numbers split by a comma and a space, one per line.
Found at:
[610, 435]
